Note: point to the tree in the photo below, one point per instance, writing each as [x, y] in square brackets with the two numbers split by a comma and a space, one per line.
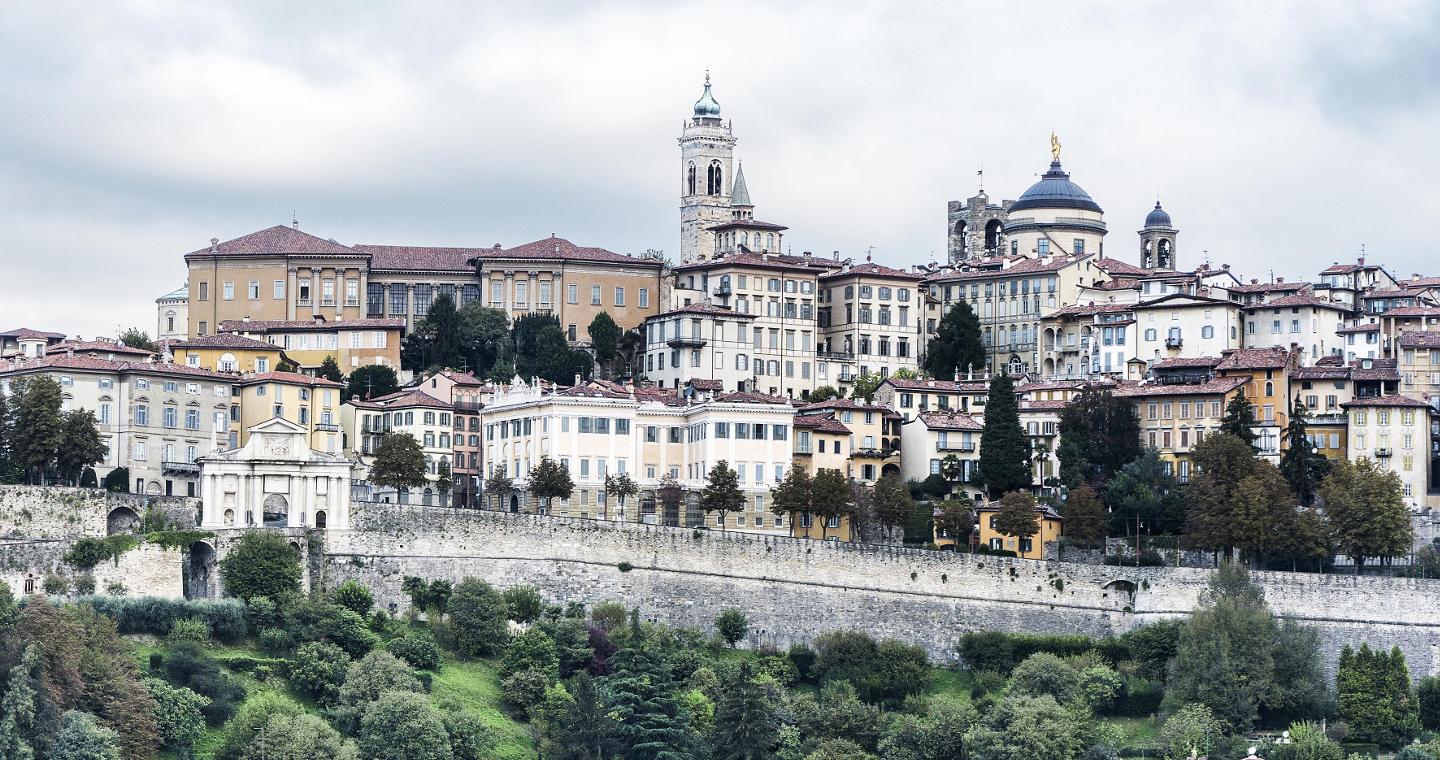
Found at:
[399, 462]
[823, 393]
[1145, 495]
[722, 491]
[1222, 461]
[261, 563]
[81, 737]
[866, 383]
[117, 480]
[892, 502]
[1302, 465]
[371, 381]
[1189, 731]
[497, 486]
[1018, 517]
[330, 369]
[80, 444]
[1023, 728]
[318, 670]
[1085, 515]
[1263, 512]
[1239, 419]
[957, 347]
[1365, 505]
[1004, 447]
[531, 650]
[955, 520]
[550, 480]
[1099, 434]
[484, 337]
[38, 431]
[299, 737]
[732, 625]
[478, 614]
[648, 721]
[670, 494]
[402, 725]
[622, 487]
[179, 712]
[792, 496]
[17, 708]
[939, 733]
[1374, 699]
[830, 497]
[443, 479]
[586, 730]
[443, 331]
[745, 726]
[604, 338]
[134, 337]
[1427, 694]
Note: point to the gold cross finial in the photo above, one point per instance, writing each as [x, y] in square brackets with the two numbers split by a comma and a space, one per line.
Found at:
[1054, 146]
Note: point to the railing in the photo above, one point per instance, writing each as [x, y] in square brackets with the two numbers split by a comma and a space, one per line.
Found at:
[181, 467]
[1173, 342]
[952, 446]
[834, 355]
[327, 427]
[1384, 453]
[469, 406]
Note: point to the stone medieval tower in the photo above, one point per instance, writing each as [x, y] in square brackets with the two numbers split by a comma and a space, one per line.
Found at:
[707, 152]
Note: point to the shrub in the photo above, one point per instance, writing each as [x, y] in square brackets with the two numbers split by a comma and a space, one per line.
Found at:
[189, 629]
[116, 588]
[478, 613]
[609, 615]
[523, 603]
[318, 669]
[276, 640]
[804, 659]
[187, 665]
[261, 563]
[396, 715]
[261, 612]
[179, 714]
[1192, 727]
[531, 650]
[1428, 692]
[987, 650]
[1045, 674]
[88, 552]
[240, 732]
[56, 585]
[418, 649]
[365, 681]
[154, 615]
[524, 690]
[319, 620]
[84, 584]
[354, 597]
[732, 625]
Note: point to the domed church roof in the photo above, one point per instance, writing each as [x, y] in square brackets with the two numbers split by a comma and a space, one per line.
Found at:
[1157, 218]
[707, 107]
[1055, 190]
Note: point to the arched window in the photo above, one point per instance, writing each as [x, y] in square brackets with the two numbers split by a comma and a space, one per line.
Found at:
[714, 182]
[690, 184]
[992, 235]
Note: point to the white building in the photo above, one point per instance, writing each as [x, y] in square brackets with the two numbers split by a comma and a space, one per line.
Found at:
[1301, 319]
[275, 480]
[407, 411]
[172, 314]
[870, 321]
[702, 342]
[928, 438]
[1182, 325]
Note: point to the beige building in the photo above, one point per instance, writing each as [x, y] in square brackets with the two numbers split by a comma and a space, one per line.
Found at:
[353, 343]
[909, 397]
[1302, 320]
[928, 438]
[1185, 325]
[1395, 432]
[1176, 417]
[310, 402]
[412, 412]
[870, 321]
[24, 341]
[701, 342]
[874, 436]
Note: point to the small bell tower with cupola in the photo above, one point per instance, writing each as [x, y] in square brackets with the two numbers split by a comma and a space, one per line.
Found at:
[707, 152]
[1157, 241]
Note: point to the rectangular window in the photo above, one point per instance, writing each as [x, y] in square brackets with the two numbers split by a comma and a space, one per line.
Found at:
[229, 291]
[252, 291]
[594, 295]
[619, 296]
[644, 298]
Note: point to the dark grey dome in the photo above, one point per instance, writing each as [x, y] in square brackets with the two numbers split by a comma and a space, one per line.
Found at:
[1055, 190]
[1157, 218]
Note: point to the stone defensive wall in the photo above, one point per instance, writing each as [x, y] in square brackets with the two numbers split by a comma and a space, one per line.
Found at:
[794, 589]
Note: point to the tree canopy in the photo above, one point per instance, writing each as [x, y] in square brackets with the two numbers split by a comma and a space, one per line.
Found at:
[399, 462]
[957, 346]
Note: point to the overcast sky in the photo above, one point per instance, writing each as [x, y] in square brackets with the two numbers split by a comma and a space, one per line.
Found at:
[1279, 136]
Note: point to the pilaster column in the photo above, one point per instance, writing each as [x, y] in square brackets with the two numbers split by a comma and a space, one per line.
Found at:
[484, 287]
[365, 294]
[290, 294]
[557, 295]
[508, 298]
[315, 294]
[409, 304]
[534, 288]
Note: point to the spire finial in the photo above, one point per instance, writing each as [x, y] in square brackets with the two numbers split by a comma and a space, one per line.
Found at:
[1054, 146]
[707, 76]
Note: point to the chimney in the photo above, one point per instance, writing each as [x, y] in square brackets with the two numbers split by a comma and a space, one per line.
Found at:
[1254, 281]
[245, 318]
[214, 245]
[806, 256]
[837, 255]
[1279, 280]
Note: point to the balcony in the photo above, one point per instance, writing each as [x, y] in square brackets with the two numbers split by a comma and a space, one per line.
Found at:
[723, 290]
[327, 427]
[1173, 342]
[179, 468]
[1384, 453]
[836, 356]
[681, 341]
[469, 406]
[956, 446]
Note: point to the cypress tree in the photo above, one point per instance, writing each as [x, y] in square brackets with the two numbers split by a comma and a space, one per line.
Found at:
[1004, 447]
[444, 321]
[745, 727]
[649, 723]
[1302, 466]
[957, 345]
[1239, 419]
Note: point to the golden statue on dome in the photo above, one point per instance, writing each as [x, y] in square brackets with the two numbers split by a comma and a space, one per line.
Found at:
[1054, 146]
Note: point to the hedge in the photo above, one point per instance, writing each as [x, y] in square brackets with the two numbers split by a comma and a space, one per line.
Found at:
[155, 615]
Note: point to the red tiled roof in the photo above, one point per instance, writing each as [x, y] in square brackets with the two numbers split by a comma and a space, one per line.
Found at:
[419, 257]
[1269, 287]
[1215, 387]
[1419, 339]
[464, 379]
[1020, 265]
[843, 403]
[562, 249]
[1091, 308]
[294, 378]
[939, 386]
[1387, 294]
[1321, 372]
[1186, 362]
[1413, 311]
[275, 241]
[308, 325]
[702, 384]
[585, 391]
[1298, 299]
[225, 340]
[822, 423]
[1420, 282]
[1362, 328]
[949, 421]
[747, 397]
[1116, 266]
[1347, 268]
[1391, 400]
[96, 364]
[1254, 358]
[1040, 406]
[25, 332]
[402, 399]
[1380, 369]
[706, 309]
[874, 270]
[96, 347]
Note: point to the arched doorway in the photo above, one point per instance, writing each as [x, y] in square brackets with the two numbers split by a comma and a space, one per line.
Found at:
[199, 571]
[428, 497]
[890, 469]
[275, 511]
[960, 235]
[514, 502]
[122, 520]
[319, 518]
[153, 488]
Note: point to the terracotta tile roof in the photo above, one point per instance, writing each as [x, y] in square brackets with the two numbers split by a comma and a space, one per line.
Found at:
[1420, 282]
[707, 310]
[1254, 358]
[659, 395]
[96, 347]
[463, 259]
[765, 261]
[940, 386]
[1269, 287]
[276, 241]
[585, 391]
[1298, 299]
[1391, 400]
[25, 332]
[1215, 387]
[1347, 268]
[1362, 328]
[308, 325]
[1091, 309]
[949, 421]
[702, 384]
[1319, 372]
[1413, 311]
[1042, 406]
[843, 403]
[225, 340]
[1116, 266]
[402, 399]
[1119, 283]
[1419, 339]
[869, 269]
[1380, 369]
[1186, 362]
[748, 397]
[96, 364]
[1019, 265]
[464, 379]
[419, 257]
[294, 378]
[558, 248]
[1387, 294]
[822, 423]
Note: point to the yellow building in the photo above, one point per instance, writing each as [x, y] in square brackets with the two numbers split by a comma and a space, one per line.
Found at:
[821, 443]
[874, 436]
[227, 353]
[1052, 527]
[353, 342]
[1266, 372]
[311, 402]
[1176, 417]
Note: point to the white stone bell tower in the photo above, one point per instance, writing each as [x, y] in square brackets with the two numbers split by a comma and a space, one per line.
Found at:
[707, 152]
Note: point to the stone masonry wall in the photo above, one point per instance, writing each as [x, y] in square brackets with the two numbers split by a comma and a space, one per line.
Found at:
[795, 589]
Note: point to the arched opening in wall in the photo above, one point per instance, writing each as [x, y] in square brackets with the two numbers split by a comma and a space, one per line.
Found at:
[320, 518]
[122, 520]
[890, 469]
[199, 570]
[153, 488]
[693, 516]
[960, 235]
[514, 502]
[428, 497]
[229, 517]
[1049, 367]
[993, 228]
[275, 511]
[1122, 586]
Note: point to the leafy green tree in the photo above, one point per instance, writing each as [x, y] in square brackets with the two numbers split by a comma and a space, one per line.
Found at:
[830, 497]
[523, 603]
[470, 738]
[80, 444]
[1085, 515]
[299, 737]
[117, 480]
[444, 323]
[1223, 462]
[241, 732]
[587, 730]
[732, 625]
[839, 749]
[484, 337]
[670, 493]
[722, 491]
[17, 707]
[1374, 699]
[371, 381]
[38, 429]
[837, 712]
[318, 670]
[957, 347]
[955, 520]
[1263, 512]
[892, 503]
[81, 737]
[604, 338]
[180, 714]
[366, 680]
[622, 487]
[1365, 505]
[399, 462]
[745, 724]
[1023, 728]
[1099, 434]
[823, 393]
[648, 720]
[1004, 447]
[330, 369]
[443, 479]
[478, 613]
[531, 650]
[402, 725]
[938, 733]
[1146, 491]
[1301, 463]
[354, 597]
[1190, 730]
[1427, 694]
[137, 338]
[1043, 673]
[550, 480]
[793, 496]
[865, 385]
[498, 487]
[261, 563]
[1018, 516]
[1239, 419]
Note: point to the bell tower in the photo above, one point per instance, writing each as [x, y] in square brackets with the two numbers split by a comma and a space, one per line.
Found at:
[1157, 241]
[707, 152]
